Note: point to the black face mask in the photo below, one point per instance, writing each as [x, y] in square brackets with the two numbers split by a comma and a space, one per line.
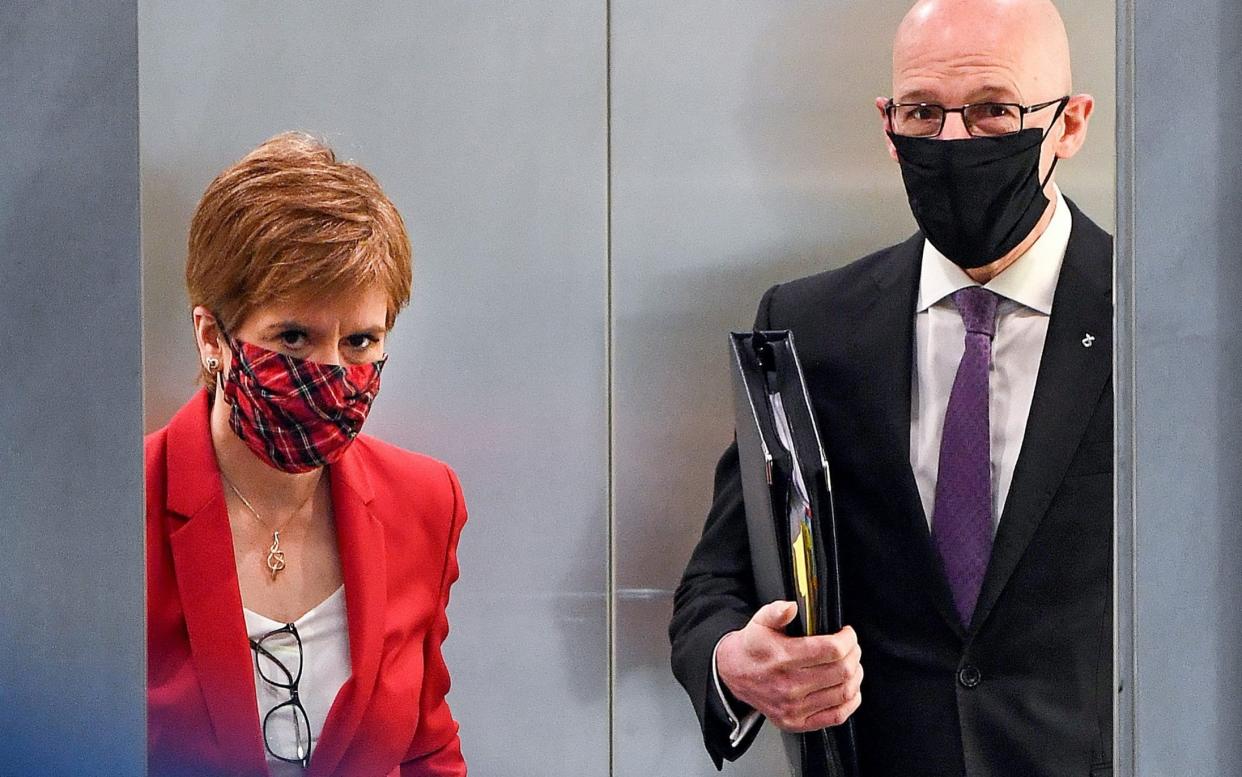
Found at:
[974, 199]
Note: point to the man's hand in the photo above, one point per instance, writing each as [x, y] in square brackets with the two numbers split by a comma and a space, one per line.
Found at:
[798, 683]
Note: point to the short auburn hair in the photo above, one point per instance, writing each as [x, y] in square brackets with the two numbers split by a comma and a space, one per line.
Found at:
[290, 222]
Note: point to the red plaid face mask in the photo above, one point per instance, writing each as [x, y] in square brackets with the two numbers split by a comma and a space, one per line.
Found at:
[297, 414]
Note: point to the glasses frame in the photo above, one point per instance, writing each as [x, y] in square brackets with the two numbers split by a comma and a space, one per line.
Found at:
[1023, 110]
[295, 700]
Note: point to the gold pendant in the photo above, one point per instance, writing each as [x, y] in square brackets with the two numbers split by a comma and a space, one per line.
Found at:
[275, 556]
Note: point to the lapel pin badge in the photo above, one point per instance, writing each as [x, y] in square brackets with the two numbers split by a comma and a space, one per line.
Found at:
[1088, 341]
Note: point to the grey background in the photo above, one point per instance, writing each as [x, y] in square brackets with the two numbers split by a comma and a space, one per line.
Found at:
[72, 644]
[1179, 379]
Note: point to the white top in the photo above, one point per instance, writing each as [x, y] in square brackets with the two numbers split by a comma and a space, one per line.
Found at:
[1026, 289]
[324, 630]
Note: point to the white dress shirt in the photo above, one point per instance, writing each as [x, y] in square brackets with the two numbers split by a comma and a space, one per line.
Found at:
[324, 631]
[1026, 289]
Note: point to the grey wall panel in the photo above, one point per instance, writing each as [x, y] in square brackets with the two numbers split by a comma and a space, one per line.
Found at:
[1180, 558]
[746, 150]
[485, 122]
[72, 645]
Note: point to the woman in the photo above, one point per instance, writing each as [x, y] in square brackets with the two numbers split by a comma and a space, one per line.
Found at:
[297, 572]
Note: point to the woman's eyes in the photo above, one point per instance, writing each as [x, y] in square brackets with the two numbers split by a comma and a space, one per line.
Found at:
[296, 339]
[293, 338]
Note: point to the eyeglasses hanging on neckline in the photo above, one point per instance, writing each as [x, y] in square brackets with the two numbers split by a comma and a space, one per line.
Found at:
[291, 712]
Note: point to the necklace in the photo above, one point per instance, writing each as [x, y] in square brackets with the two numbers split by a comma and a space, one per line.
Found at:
[275, 556]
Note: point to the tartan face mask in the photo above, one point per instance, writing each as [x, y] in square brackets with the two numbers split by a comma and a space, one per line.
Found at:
[295, 414]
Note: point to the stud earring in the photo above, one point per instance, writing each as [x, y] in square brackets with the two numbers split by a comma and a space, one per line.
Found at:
[213, 364]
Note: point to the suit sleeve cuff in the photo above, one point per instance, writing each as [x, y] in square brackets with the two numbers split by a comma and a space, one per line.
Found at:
[741, 726]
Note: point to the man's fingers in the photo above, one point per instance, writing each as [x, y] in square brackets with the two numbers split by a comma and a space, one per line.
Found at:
[833, 716]
[798, 719]
[775, 615]
[834, 695]
[823, 648]
[847, 671]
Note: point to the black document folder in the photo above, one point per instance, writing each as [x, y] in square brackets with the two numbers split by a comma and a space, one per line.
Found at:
[787, 490]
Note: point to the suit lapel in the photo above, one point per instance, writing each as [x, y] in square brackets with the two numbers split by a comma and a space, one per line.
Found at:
[360, 538]
[886, 354]
[1067, 389]
[202, 550]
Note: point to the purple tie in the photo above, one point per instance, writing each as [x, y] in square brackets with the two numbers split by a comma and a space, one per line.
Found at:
[962, 515]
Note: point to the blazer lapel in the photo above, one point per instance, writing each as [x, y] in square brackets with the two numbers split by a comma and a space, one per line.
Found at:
[886, 356]
[202, 550]
[360, 538]
[1067, 389]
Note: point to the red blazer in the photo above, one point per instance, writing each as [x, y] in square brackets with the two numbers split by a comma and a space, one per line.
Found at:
[398, 516]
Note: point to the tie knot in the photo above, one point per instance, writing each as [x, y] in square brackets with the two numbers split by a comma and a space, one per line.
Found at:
[978, 308]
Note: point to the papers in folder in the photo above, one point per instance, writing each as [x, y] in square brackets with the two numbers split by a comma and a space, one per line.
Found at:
[785, 482]
[801, 528]
[789, 519]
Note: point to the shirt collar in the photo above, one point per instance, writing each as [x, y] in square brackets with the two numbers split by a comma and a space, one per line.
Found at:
[1030, 281]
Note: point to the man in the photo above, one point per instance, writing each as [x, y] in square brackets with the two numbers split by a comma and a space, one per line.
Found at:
[962, 384]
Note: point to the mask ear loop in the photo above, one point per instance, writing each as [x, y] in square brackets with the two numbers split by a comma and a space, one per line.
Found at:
[234, 349]
[1060, 111]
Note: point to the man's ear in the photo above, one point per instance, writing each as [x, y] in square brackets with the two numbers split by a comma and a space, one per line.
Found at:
[881, 103]
[1076, 117]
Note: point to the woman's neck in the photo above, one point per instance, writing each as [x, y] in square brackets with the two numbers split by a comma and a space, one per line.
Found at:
[264, 486]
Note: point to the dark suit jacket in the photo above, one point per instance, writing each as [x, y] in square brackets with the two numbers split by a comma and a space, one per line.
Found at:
[1025, 691]
[398, 516]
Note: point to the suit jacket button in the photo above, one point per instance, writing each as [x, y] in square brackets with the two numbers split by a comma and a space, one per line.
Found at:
[969, 676]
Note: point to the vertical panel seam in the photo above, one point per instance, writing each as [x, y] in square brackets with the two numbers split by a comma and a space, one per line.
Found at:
[611, 583]
[1125, 415]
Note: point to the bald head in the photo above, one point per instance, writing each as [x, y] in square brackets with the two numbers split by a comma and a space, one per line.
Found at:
[961, 51]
